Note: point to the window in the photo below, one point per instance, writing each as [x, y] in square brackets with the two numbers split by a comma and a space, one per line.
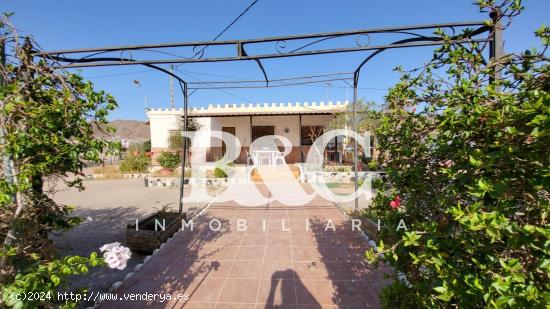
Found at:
[310, 133]
[260, 131]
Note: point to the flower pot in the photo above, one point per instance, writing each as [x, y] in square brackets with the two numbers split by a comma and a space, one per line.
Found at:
[153, 231]
[166, 171]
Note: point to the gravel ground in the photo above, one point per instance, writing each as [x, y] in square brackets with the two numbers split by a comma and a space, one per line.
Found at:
[111, 205]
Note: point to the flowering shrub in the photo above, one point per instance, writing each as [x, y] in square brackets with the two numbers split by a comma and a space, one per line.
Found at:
[396, 203]
[469, 171]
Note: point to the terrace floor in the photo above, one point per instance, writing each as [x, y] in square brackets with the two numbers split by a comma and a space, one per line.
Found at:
[287, 257]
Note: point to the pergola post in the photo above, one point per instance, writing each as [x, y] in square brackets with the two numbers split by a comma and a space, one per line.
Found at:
[496, 44]
[354, 128]
[300, 137]
[251, 136]
[6, 159]
[184, 146]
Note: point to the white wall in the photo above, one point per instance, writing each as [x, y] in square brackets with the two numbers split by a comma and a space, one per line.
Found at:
[203, 137]
[280, 123]
[316, 120]
[242, 129]
[160, 126]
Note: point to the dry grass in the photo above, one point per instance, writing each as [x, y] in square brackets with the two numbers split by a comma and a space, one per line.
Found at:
[107, 169]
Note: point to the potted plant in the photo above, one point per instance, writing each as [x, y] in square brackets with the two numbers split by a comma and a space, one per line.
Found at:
[148, 234]
[168, 161]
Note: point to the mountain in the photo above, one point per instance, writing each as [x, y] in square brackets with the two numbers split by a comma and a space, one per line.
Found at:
[134, 131]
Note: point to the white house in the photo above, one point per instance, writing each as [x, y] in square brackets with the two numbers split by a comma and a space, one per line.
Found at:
[298, 122]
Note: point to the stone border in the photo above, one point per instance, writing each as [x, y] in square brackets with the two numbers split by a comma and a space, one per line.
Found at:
[372, 243]
[148, 258]
[151, 181]
[116, 176]
[336, 177]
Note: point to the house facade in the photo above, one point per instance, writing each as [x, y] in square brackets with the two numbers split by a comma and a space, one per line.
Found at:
[299, 122]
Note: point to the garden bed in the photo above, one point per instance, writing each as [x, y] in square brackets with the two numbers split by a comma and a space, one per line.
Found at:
[338, 177]
[151, 232]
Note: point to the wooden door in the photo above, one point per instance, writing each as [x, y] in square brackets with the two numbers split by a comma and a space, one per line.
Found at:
[227, 130]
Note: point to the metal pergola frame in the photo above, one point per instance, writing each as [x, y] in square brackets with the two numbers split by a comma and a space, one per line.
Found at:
[99, 57]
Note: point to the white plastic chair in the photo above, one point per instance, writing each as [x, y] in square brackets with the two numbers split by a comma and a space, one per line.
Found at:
[251, 158]
[280, 157]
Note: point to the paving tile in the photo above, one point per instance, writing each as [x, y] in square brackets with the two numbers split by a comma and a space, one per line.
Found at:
[278, 214]
[280, 232]
[221, 253]
[311, 270]
[246, 269]
[250, 254]
[314, 292]
[278, 240]
[276, 292]
[190, 305]
[277, 269]
[278, 253]
[271, 306]
[253, 240]
[306, 253]
[330, 254]
[239, 291]
[256, 230]
[302, 240]
[354, 294]
[206, 291]
[339, 270]
[215, 269]
[235, 306]
[259, 268]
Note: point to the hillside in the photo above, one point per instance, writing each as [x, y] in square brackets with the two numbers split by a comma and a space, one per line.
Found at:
[132, 130]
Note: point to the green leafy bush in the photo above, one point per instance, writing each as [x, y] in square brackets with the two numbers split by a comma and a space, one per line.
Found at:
[219, 173]
[44, 280]
[168, 160]
[338, 168]
[48, 119]
[175, 140]
[135, 164]
[469, 175]
[147, 145]
[223, 168]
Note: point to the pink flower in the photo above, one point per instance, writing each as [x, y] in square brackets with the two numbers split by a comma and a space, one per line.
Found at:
[446, 163]
[396, 203]
[111, 259]
[115, 255]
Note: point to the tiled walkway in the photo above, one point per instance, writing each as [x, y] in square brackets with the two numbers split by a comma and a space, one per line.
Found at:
[279, 261]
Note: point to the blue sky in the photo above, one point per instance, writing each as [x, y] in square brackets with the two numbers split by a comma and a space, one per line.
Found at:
[75, 24]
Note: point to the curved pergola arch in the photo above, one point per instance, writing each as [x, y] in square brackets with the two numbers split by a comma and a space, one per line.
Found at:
[93, 57]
